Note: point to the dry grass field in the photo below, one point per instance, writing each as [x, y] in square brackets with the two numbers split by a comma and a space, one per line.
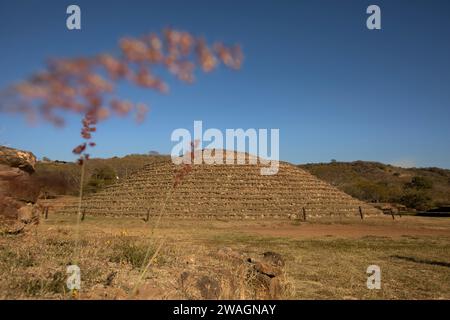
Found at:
[197, 259]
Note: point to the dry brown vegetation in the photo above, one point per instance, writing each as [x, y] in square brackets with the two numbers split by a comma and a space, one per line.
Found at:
[324, 258]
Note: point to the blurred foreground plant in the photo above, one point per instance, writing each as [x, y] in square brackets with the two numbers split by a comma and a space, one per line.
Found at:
[86, 85]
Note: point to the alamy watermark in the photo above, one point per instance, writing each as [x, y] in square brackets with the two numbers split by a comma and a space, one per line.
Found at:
[373, 22]
[73, 281]
[73, 21]
[220, 147]
[374, 278]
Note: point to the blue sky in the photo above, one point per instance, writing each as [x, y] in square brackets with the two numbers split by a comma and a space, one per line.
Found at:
[335, 89]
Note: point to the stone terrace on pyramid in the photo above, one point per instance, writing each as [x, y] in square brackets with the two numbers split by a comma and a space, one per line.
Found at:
[222, 190]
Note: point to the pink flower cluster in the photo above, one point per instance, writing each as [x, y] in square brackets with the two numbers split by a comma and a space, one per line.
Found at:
[87, 85]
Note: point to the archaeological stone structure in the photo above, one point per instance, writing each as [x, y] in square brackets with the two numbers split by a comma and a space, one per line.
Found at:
[222, 190]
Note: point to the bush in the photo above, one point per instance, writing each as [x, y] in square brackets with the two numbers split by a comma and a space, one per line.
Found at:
[100, 178]
[416, 200]
[420, 183]
[370, 191]
[34, 285]
[132, 252]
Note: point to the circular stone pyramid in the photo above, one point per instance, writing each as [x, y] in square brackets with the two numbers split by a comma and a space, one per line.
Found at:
[225, 191]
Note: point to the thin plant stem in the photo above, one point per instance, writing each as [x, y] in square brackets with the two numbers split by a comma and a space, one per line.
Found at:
[77, 226]
[144, 272]
[147, 254]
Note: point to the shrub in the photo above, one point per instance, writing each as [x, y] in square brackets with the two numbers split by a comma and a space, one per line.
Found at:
[100, 178]
[416, 200]
[369, 191]
[131, 252]
[38, 285]
[420, 183]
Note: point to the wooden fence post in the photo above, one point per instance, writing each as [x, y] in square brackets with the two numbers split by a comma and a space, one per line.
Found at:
[304, 213]
[46, 213]
[147, 217]
[361, 213]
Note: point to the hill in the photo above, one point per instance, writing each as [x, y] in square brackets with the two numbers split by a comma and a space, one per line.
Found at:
[417, 188]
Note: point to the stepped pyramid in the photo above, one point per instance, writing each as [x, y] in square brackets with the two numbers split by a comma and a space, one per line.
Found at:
[223, 190]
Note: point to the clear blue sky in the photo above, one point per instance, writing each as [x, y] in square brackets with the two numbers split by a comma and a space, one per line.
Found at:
[312, 69]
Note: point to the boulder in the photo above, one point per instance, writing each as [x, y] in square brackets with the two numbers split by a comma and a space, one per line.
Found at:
[269, 275]
[274, 258]
[238, 276]
[27, 213]
[14, 158]
[198, 286]
[16, 198]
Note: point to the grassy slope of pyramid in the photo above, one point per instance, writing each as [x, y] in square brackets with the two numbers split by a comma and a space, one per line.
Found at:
[223, 191]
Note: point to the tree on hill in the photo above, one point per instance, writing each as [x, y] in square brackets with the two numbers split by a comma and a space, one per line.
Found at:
[416, 199]
[100, 178]
[420, 183]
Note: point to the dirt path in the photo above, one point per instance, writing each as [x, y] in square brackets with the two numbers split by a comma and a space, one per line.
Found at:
[359, 230]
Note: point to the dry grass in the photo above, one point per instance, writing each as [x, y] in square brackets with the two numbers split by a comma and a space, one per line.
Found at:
[327, 267]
